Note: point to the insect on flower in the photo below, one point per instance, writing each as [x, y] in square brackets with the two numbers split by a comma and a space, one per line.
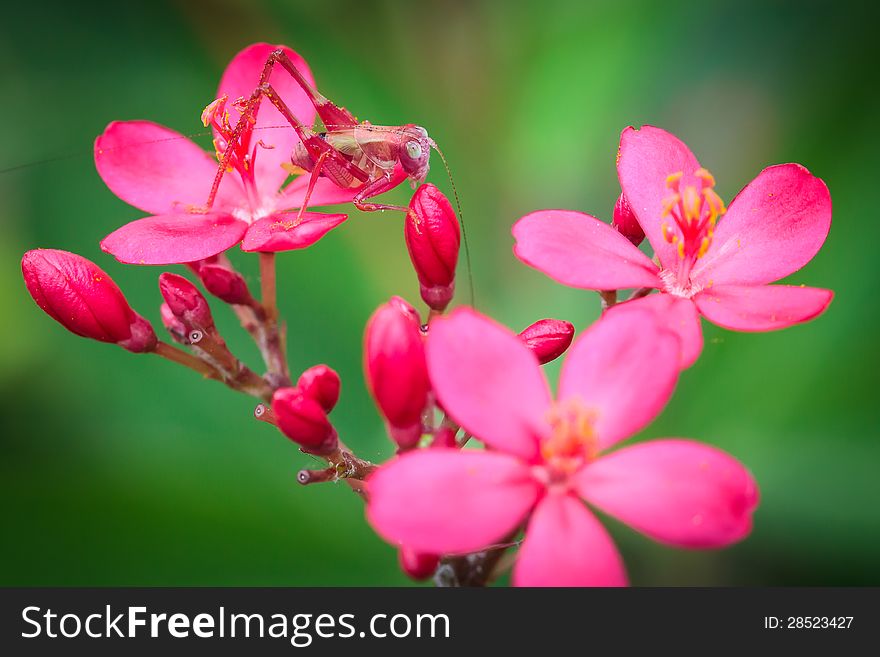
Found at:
[347, 152]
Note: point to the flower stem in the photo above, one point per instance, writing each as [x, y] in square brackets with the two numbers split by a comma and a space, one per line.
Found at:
[267, 286]
[181, 357]
[269, 338]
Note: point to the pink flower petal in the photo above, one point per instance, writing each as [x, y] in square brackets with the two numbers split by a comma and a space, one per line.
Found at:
[486, 378]
[647, 156]
[774, 226]
[761, 307]
[324, 193]
[566, 545]
[449, 501]
[239, 80]
[174, 238]
[678, 492]
[579, 250]
[159, 170]
[282, 232]
[624, 367]
[677, 315]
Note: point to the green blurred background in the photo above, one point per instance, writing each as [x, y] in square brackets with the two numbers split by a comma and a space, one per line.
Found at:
[124, 470]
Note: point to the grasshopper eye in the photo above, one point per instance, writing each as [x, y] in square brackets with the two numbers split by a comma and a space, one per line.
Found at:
[413, 150]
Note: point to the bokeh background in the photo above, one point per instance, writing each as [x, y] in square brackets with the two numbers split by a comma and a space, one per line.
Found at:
[124, 470]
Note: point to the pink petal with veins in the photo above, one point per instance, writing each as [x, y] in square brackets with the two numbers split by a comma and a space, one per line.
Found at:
[647, 156]
[282, 232]
[579, 250]
[489, 381]
[676, 491]
[774, 226]
[761, 307]
[159, 170]
[624, 367]
[174, 238]
[447, 501]
[566, 545]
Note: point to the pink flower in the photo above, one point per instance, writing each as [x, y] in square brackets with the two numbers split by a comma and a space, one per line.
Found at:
[544, 457]
[165, 174]
[77, 294]
[774, 226]
[394, 365]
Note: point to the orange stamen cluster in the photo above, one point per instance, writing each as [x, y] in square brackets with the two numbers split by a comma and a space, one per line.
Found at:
[216, 115]
[572, 441]
[694, 212]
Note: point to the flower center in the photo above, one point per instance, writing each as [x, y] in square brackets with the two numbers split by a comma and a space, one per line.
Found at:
[242, 154]
[572, 441]
[690, 214]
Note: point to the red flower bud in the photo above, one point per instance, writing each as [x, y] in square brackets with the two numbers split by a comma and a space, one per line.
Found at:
[77, 294]
[321, 384]
[186, 303]
[548, 338]
[394, 363]
[625, 222]
[221, 280]
[433, 237]
[174, 326]
[302, 419]
[417, 565]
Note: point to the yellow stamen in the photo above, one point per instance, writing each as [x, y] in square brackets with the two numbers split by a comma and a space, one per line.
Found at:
[673, 179]
[704, 246]
[707, 178]
[573, 436]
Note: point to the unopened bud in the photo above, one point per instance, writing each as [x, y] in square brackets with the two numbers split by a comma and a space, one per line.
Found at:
[173, 325]
[625, 222]
[394, 364]
[186, 303]
[417, 565]
[302, 419]
[548, 338]
[433, 237]
[444, 437]
[81, 297]
[221, 280]
[321, 384]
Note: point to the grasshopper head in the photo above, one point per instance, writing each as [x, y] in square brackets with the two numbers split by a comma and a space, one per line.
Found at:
[415, 150]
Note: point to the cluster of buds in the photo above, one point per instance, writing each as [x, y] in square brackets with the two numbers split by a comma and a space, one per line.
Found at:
[300, 411]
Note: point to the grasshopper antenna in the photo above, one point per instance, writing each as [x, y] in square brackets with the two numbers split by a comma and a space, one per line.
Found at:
[467, 251]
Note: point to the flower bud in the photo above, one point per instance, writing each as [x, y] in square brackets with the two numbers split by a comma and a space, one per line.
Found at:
[302, 419]
[143, 337]
[394, 363]
[444, 437]
[186, 303]
[173, 325]
[221, 280]
[548, 338]
[417, 565]
[625, 222]
[77, 294]
[433, 237]
[321, 384]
